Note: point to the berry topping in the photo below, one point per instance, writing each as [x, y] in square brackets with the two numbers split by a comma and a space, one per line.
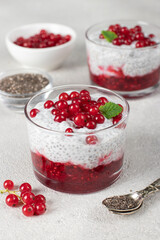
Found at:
[48, 104]
[117, 119]
[91, 124]
[55, 111]
[59, 118]
[93, 110]
[80, 120]
[74, 94]
[64, 96]
[74, 108]
[99, 118]
[61, 105]
[91, 140]
[25, 187]
[34, 112]
[102, 100]
[84, 92]
[12, 200]
[8, 184]
[119, 35]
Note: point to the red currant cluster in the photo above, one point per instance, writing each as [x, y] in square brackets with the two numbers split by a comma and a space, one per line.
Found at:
[82, 110]
[127, 36]
[33, 205]
[43, 39]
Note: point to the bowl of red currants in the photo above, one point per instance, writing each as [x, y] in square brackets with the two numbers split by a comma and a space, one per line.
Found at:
[42, 45]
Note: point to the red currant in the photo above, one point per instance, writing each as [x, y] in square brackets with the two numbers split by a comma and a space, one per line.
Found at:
[124, 30]
[74, 94]
[140, 44]
[84, 92]
[127, 41]
[151, 35]
[28, 197]
[34, 112]
[25, 187]
[138, 28]
[152, 43]
[101, 36]
[102, 100]
[117, 119]
[93, 110]
[80, 120]
[8, 184]
[64, 113]
[55, 111]
[91, 140]
[61, 105]
[139, 36]
[69, 130]
[59, 118]
[99, 118]
[12, 200]
[76, 101]
[48, 104]
[40, 199]
[85, 97]
[28, 210]
[117, 42]
[40, 208]
[91, 124]
[74, 108]
[64, 96]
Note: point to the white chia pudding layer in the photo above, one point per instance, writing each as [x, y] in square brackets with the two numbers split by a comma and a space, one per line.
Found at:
[58, 147]
[132, 61]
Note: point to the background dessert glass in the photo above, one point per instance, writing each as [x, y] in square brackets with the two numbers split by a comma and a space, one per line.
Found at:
[64, 161]
[131, 72]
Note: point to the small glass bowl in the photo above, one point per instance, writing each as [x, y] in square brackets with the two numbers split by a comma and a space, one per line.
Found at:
[67, 162]
[130, 71]
[16, 102]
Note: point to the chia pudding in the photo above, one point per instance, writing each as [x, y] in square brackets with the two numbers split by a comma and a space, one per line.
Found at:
[76, 149]
[128, 63]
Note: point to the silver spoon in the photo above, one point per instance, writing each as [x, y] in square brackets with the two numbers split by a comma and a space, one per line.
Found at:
[130, 203]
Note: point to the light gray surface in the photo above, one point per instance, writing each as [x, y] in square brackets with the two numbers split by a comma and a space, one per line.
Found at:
[80, 217]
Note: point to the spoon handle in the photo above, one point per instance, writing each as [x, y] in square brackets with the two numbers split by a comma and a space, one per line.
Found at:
[152, 188]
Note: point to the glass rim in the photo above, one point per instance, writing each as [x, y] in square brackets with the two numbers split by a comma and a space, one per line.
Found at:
[16, 71]
[116, 47]
[78, 133]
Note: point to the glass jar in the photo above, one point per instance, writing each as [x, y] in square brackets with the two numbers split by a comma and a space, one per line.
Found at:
[130, 71]
[69, 162]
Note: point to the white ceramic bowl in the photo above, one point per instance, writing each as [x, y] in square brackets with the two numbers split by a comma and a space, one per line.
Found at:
[46, 58]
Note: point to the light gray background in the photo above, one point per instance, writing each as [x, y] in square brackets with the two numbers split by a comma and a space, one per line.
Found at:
[80, 217]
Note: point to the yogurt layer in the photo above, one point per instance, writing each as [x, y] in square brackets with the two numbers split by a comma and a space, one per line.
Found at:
[132, 61]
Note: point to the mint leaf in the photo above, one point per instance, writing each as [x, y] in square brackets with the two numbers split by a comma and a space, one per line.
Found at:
[109, 36]
[110, 110]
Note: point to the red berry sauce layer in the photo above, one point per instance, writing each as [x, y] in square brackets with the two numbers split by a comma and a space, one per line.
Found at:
[43, 39]
[71, 162]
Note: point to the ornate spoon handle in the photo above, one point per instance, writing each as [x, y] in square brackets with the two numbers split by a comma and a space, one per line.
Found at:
[152, 188]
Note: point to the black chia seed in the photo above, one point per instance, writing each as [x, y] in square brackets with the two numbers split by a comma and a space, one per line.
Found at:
[120, 203]
[22, 84]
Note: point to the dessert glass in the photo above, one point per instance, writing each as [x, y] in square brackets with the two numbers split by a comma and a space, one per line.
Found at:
[130, 71]
[64, 161]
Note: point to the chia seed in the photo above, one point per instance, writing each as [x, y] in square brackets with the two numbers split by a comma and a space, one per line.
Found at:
[120, 203]
[22, 84]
